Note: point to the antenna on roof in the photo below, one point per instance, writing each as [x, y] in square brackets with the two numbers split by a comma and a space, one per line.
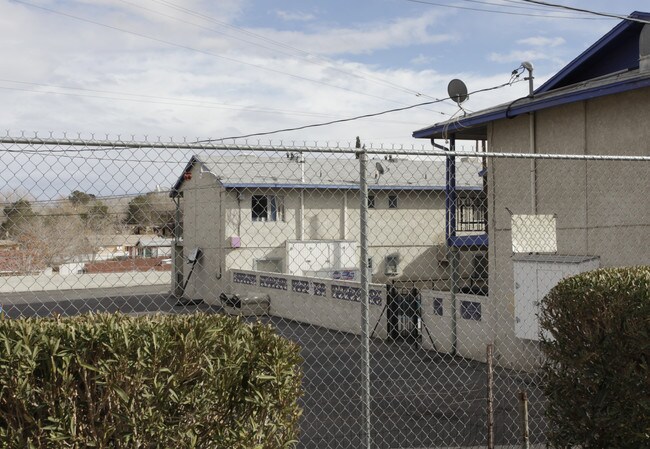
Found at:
[380, 170]
[457, 91]
[529, 66]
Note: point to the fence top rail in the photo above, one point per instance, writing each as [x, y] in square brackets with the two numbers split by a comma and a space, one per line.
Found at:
[335, 149]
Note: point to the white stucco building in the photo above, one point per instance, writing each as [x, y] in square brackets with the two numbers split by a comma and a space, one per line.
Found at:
[295, 215]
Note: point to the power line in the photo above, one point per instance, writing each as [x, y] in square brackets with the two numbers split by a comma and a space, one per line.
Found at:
[304, 55]
[516, 5]
[542, 16]
[307, 54]
[205, 52]
[513, 79]
[358, 117]
[172, 101]
[587, 11]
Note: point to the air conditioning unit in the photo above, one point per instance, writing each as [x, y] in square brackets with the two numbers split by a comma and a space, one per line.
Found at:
[391, 265]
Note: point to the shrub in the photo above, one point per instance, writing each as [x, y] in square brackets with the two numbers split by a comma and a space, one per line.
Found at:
[113, 381]
[596, 338]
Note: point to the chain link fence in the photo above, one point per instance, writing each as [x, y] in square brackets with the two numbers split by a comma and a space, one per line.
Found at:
[410, 278]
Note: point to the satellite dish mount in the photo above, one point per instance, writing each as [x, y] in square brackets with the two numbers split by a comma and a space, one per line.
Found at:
[457, 91]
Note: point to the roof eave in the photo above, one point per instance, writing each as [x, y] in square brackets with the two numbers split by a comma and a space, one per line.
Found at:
[613, 34]
[444, 129]
[341, 186]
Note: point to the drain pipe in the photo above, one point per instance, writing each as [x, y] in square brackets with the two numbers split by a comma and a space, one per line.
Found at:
[301, 229]
[533, 147]
[178, 250]
[450, 206]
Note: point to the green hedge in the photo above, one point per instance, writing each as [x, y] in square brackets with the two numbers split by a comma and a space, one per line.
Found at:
[165, 381]
[596, 338]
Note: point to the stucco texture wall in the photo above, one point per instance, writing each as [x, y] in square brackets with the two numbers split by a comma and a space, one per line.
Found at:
[602, 208]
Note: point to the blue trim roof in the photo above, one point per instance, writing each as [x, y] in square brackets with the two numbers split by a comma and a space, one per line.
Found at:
[584, 78]
[615, 51]
[530, 105]
[342, 186]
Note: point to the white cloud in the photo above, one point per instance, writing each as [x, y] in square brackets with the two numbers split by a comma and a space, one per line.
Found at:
[367, 37]
[295, 16]
[422, 59]
[541, 41]
[518, 56]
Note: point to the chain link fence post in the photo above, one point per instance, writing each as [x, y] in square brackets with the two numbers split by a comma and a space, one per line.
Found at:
[365, 306]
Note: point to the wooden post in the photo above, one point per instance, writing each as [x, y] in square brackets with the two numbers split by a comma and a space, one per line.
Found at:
[490, 412]
[525, 443]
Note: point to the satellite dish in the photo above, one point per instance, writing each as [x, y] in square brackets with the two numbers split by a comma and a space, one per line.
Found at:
[194, 255]
[380, 168]
[457, 91]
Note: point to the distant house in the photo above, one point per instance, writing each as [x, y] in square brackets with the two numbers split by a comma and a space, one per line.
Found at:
[301, 216]
[599, 104]
[152, 246]
[8, 245]
[113, 246]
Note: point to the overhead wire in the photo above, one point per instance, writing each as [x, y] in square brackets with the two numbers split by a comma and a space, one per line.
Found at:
[504, 5]
[172, 101]
[587, 11]
[512, 80]
[358, 74]
[205, 52]
[511, 13]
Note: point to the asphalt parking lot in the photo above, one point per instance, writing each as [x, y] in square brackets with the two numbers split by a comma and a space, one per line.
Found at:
[419, 399]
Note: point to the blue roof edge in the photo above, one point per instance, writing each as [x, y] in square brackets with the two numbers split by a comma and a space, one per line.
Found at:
[341, 187]
[605, 40]
[543, 103]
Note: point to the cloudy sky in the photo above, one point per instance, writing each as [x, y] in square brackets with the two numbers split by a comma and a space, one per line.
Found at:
[214, 69]
[231, 67]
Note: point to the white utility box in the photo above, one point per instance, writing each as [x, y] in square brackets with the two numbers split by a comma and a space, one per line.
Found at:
[304, 256]
[535, 275]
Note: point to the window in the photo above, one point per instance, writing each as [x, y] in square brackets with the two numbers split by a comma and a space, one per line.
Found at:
[470, 310]
[371, 201]
[437, 306]
[392, 201]
[267, 208]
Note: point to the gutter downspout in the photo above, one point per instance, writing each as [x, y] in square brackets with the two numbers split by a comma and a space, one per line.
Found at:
[344, 217]
[222, 237]
[450, 234]
[532, 143]
[301, 221]
[178, 250]
[533, 165]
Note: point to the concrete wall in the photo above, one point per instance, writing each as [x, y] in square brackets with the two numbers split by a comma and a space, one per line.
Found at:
[473, 334]
[602, 208]
[15, 284]
[202, 227]
[299, 301]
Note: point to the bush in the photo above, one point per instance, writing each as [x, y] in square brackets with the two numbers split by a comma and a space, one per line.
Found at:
[113, 381]
[596, 338]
